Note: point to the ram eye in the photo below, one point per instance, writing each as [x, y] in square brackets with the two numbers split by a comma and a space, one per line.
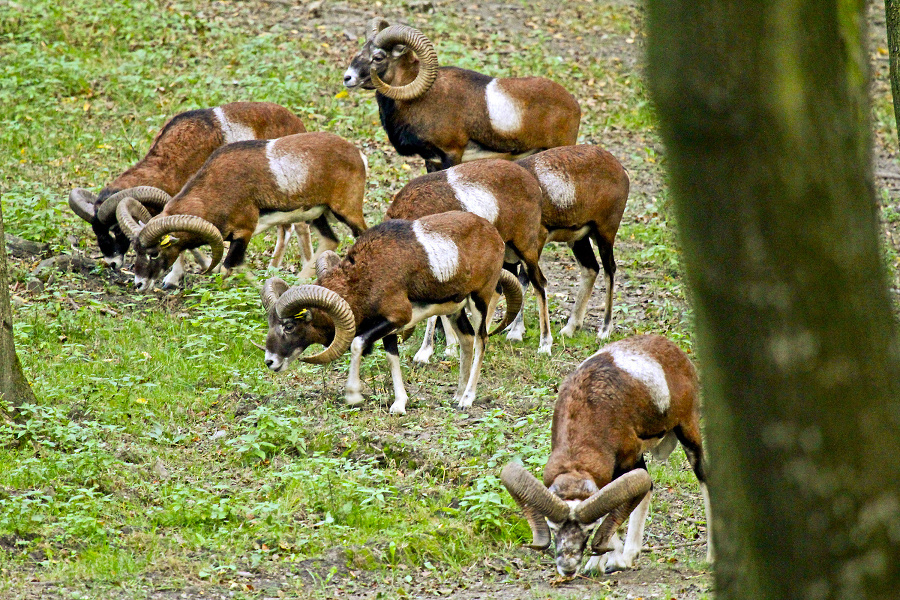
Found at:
[289, 327]
[153, 253]
[379, 56]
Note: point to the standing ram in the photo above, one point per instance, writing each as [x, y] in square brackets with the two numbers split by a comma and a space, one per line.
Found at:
[501, 192]
[247, 187]
[177, 152]
[636, 395]
[584, 194]
[449, 115]
[395, 275]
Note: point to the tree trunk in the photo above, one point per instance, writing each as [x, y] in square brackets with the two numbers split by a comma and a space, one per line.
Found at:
[14, 388]
[892, 18]
[764, 114]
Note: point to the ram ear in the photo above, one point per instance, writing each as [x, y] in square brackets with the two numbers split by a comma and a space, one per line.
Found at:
[399, 50]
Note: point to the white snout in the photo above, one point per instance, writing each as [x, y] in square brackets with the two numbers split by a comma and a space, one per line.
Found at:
[351, 79]
[143, 284]
[275, 362]
[114, 262]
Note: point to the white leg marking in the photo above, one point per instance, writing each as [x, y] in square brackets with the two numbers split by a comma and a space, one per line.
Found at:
[466, 345]
[304, 239]
[579, 309]
[544, 315]
[282, 237]
[400, 397]
[634, 539]
[607, 318]
[517, 328]
[173, 279]
[468, 396]
[427, 349]
[451, 342]
[709, 528]
[352, 392]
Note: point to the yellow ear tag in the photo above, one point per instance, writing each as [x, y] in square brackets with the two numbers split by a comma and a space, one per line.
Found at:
[301, 314]
[166, 241]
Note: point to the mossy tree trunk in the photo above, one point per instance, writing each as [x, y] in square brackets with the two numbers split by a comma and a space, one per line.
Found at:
[764, 114]
[14, 387]
[892, 14]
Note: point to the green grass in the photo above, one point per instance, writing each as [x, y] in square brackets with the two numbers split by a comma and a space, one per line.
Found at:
[160, 448]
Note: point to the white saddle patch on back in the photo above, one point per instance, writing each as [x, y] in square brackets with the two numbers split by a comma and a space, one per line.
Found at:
[233, 130]
[443, 255]
[503, 110]
[473, 197]
[646, 370]
[290, 171]
[558, 186]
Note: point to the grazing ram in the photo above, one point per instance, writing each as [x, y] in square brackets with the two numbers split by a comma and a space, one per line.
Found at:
[636, 395]
[181, 147]
[247, 187]
[395, 275]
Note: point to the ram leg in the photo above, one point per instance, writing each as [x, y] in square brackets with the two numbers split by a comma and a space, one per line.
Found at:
[451, 342]
[584, 254]
[609, 273]
[478, 306]
[393, 357]
[327, 241]
[353, 388]
[175, 275]
[427, 349]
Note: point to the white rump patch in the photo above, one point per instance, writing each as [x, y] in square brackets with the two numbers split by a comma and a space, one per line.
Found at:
[290, 171]
[443, 255]
[504, 112]
[233, 130]
[474, 197]
[558, 186]
[644, 369]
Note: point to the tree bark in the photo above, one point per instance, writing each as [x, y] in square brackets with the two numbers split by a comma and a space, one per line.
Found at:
[14, 388]
[892, 18]
[764, 114]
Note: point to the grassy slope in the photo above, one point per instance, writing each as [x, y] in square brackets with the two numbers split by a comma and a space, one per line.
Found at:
[162, 453]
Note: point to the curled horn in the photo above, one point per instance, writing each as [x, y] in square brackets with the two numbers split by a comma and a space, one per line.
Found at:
[81, 201]
[428, 62]
[632, 484]
[144, 194]
[375, 25]
[129, 213]
[316, 296]
[327, 261]
[536, 501]
[512, 289]
[160, 226]
[272, 290]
